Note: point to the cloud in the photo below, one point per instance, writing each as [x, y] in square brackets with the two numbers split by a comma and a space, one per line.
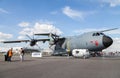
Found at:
[72, 13]
[75, 14]
[46, 28]
[23, 24]
[112, 3]
[39, 28]
[21, 37]
[26, 31]
[4, 36]
[3, 11]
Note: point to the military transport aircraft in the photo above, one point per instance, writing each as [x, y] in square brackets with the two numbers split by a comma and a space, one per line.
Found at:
[93, 41]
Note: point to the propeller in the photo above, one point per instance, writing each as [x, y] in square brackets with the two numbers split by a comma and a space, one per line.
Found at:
[32, 40]
[29, 37]
[53, 39]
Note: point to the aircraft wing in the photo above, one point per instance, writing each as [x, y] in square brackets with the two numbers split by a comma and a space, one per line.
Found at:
[15, 41]
[19, 41]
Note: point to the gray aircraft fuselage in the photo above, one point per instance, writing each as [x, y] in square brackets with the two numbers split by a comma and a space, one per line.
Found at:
[92, 41]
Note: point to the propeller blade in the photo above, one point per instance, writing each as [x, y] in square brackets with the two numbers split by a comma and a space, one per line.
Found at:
[33, 35]
[29, 37]
[38, 46]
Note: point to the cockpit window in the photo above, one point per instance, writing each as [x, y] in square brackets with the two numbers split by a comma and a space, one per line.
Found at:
[102, 34]
[97, 34]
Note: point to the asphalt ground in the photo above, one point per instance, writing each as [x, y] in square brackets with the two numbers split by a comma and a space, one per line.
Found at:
[60, 67]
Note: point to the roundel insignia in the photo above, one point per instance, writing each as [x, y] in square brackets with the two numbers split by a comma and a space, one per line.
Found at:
[96, 43]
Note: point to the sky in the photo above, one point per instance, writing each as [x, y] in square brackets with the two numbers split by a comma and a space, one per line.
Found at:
[63, 17]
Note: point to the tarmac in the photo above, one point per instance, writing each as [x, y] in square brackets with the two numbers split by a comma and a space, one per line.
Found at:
[60, 67]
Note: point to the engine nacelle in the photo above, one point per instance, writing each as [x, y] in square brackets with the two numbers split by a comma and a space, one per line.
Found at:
[81, 53]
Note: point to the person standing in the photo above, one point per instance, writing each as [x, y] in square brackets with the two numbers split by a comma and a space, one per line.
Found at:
[22, 54]
[6, 56]
[10, 53]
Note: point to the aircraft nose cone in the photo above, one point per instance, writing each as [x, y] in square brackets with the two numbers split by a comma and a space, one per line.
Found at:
[107, 41]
